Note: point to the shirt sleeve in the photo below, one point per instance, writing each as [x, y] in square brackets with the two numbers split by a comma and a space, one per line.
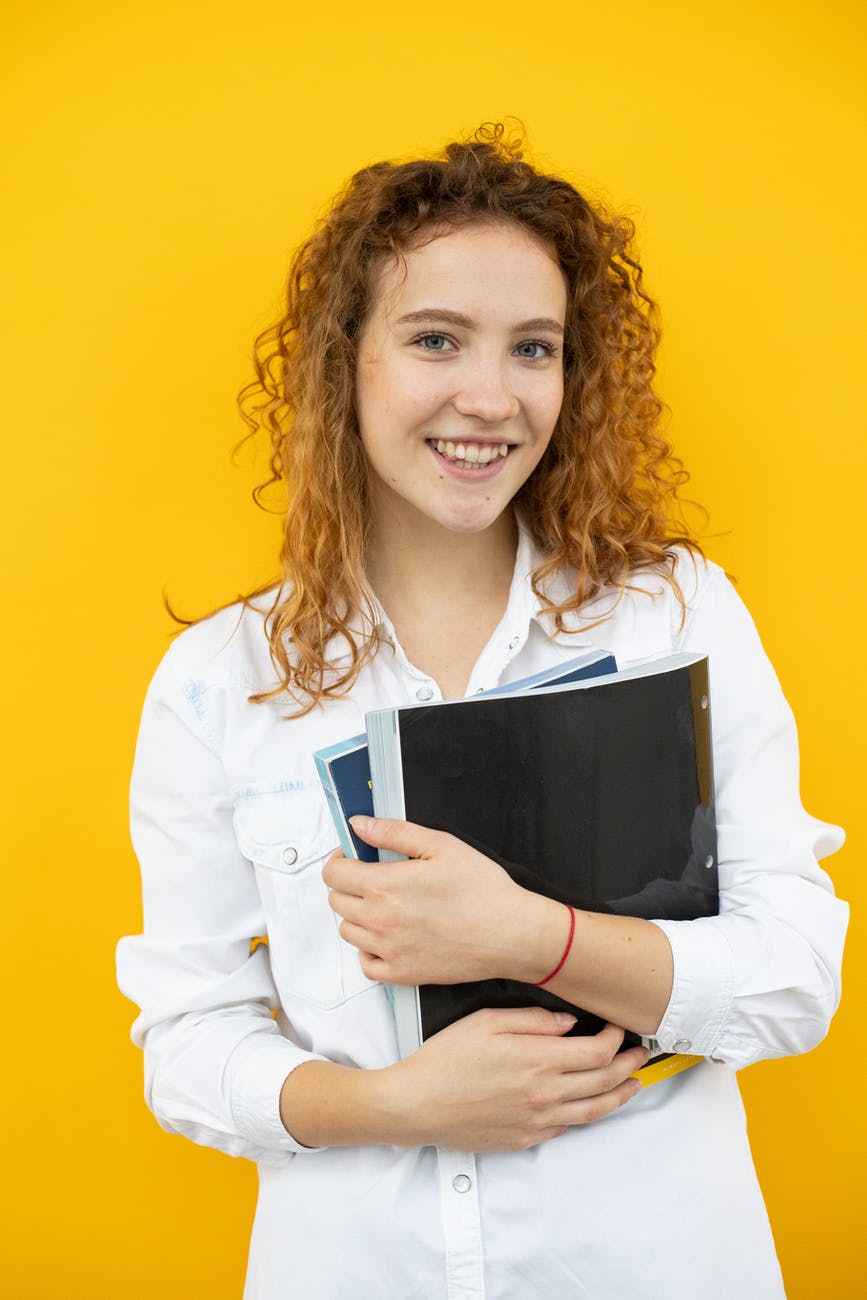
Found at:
[762, 979]
[215, 1058]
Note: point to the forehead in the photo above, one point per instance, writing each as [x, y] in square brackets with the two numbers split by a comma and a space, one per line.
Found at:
[495, 266]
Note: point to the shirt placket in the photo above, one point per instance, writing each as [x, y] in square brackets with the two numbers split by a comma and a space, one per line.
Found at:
[462, 1225]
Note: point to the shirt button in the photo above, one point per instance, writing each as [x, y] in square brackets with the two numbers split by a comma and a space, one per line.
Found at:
[290, 857]
[424, 693]
[682, 1045]
[462, 1183]
[514, 641]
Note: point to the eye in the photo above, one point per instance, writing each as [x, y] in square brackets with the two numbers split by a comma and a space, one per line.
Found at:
[535, 350]
[434, 342]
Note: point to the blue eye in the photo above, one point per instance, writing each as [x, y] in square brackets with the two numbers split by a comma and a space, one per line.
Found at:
[535, 350]
[434, 342]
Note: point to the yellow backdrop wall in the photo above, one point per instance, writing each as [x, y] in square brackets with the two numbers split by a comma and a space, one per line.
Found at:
[160, 162]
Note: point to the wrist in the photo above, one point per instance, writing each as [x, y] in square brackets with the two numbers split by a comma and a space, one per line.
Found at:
[398, 1106]
[539, 938]
[323, 1104]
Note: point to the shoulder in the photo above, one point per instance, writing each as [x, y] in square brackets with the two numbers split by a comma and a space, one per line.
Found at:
[651, 614]
[683, 584]
[688, 587]
[204, 691]
[229, 648]
[203, 684]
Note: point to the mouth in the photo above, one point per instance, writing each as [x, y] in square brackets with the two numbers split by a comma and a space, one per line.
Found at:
[470, 455]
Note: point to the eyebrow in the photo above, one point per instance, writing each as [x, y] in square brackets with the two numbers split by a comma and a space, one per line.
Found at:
[438, 315]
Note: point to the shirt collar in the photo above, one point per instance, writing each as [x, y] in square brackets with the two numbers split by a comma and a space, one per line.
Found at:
[558, 587]
[524, 605]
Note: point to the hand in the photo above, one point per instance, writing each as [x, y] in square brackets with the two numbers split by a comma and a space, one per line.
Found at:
[507, 1080]
[445, 915]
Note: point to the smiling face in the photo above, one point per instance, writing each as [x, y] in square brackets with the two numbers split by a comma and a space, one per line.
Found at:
[460, 375]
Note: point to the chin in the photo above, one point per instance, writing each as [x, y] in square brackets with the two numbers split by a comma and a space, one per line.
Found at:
[476, 521]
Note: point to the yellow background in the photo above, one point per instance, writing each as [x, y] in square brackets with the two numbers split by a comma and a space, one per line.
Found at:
[159, 163]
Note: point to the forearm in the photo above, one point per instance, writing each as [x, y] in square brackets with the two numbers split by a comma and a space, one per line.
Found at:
[215, 1076]
[618, 967]
[497, 1080]
[326, 1105]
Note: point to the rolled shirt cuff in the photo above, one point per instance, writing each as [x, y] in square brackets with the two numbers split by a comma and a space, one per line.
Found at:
[702, 990]
[257, 1071]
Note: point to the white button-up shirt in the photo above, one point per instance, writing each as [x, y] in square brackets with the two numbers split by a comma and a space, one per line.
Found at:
[231, 829]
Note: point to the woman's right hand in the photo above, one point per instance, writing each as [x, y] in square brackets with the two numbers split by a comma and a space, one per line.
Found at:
[506, 1080]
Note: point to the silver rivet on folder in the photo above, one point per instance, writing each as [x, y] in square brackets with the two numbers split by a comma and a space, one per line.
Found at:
[462, 1183]
[704, 701]
[708, 862]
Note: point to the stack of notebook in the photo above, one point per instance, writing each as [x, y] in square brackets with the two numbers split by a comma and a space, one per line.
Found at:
[587, 784]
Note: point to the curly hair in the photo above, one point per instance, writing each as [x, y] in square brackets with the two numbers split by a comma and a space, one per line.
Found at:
[603, 497]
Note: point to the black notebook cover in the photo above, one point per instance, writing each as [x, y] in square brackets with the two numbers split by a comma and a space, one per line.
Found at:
[601, 797]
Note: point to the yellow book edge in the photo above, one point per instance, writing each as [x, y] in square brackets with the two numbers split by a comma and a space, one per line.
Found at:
[662, 1069]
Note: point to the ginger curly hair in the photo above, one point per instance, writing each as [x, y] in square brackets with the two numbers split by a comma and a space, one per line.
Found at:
[603, 498]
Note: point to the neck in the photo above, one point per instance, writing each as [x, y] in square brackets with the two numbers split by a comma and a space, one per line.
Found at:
[444, 591]
[415, 564]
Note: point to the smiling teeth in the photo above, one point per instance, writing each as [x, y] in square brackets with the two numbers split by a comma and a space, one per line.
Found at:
[471, 453]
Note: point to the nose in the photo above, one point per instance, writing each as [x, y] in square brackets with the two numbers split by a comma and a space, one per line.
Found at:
[486, 393]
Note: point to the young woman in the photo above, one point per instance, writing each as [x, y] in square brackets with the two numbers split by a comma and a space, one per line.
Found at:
[459, 399]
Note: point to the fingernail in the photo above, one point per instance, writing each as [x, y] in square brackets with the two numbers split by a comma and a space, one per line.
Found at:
[637, 1085]
[563, 1018]
[361, 823]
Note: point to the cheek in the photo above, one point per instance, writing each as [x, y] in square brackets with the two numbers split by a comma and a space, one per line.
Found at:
[547, 408]
[413, 396]
[396, 399]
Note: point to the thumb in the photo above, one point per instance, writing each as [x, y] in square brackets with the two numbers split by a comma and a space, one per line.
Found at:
[400, 837]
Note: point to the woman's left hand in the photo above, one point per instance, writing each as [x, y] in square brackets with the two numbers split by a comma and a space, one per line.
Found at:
[444, 915]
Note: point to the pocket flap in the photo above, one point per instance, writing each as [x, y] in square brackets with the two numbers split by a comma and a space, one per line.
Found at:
[282, 828]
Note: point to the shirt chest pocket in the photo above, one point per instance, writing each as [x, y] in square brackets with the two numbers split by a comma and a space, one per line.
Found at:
[287, 834]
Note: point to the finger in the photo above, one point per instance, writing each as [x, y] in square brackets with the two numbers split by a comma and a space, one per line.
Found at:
[398, 836]
[524, 1020]
[586, 1080]
[347, 875]
[374, 967]
[582, 1070]
[596, 1049]
[358, 936]
[590, 1109]
[349, 906]
[607, 1041]
[586, 1053]
[611, 1033]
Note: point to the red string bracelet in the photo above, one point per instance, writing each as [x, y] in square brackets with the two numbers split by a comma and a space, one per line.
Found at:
[562, 960]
